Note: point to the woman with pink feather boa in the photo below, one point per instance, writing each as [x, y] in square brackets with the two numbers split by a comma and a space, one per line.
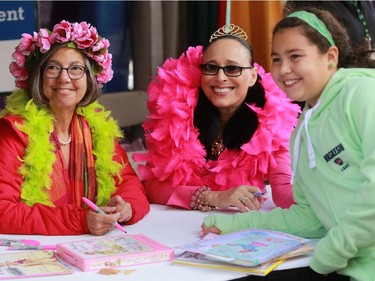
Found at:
[218, 130]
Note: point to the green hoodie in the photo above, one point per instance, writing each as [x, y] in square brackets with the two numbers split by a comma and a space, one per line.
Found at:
[333, 156]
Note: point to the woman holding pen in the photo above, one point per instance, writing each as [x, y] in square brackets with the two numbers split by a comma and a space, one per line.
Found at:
[58, 144]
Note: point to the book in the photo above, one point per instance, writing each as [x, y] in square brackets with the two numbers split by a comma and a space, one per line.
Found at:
[200, 260]
[29, 264]
[249, 247]
[118, 251]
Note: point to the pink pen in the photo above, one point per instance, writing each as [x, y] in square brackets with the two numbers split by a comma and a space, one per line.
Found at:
[100, 211]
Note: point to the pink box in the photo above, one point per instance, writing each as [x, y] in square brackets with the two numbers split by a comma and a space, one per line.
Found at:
[118, 251]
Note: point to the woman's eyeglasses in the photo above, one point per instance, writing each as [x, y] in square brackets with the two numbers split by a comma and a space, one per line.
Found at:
[229, 70]
[75, 72]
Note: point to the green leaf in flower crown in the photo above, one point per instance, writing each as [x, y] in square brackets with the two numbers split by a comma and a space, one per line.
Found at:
[71, 45]
[96, 68]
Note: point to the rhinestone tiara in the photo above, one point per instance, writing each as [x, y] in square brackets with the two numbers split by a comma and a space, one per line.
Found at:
[229, 29]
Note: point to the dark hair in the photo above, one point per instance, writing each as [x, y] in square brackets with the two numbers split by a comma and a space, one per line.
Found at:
[348, 56]
[244, 122]
[36, 79]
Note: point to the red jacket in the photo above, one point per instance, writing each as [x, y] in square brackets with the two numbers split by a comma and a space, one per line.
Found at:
[64, 219]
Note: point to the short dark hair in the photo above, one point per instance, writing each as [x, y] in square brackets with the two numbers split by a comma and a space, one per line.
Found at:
[36, 79]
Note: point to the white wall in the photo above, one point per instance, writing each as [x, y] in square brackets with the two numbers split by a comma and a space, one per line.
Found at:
[6, 79]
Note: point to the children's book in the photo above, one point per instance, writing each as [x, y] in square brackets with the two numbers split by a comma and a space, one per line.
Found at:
[38, 263]
[118, 251]
[200, 260]
[250, 247]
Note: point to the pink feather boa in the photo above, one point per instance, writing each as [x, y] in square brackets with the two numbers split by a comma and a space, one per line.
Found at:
[174, 152]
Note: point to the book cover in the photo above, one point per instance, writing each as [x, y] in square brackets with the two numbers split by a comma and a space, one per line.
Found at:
[249, 247]
[15, 265]
[200, 260]
[118, 251]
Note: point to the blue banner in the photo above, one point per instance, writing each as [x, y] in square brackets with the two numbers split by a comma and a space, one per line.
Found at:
[17, 17]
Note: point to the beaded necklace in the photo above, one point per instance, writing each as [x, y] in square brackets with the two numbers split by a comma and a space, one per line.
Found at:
[361, 17]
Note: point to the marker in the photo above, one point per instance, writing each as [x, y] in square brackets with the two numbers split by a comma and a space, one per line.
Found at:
[100, 211]
[11, 242]
[31, 247]
[258, 194]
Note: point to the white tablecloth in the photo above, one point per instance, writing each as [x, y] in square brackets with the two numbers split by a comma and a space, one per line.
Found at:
[167, 225]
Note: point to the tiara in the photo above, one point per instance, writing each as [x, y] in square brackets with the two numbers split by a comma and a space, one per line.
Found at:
[229, 29]
[82, 36]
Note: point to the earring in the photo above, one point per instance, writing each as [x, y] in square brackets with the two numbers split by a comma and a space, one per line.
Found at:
[330, 65]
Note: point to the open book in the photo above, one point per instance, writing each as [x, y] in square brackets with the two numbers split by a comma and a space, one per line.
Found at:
[258, 251]
[15, 265]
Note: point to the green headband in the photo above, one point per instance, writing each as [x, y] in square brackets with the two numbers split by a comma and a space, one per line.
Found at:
[312, 20]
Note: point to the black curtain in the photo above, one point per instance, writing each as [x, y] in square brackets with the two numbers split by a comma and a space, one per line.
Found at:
[202, 21]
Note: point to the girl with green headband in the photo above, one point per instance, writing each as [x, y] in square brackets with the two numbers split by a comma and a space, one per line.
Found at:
[333, 151]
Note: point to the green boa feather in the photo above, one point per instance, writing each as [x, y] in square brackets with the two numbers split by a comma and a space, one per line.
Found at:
[40, 153]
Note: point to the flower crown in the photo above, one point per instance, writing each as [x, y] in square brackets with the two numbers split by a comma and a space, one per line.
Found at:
[77, 35]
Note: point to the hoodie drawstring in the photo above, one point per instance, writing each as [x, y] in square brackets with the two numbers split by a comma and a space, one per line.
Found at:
[297, 143]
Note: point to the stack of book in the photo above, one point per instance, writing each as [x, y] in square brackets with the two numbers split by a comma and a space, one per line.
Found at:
[254, 251]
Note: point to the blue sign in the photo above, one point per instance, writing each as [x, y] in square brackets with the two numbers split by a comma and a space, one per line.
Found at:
[17, 17]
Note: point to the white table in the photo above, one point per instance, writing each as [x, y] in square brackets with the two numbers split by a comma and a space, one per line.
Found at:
[167, 225]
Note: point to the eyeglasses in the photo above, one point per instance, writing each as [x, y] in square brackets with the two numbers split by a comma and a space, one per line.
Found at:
[229, 70]
[75, 72]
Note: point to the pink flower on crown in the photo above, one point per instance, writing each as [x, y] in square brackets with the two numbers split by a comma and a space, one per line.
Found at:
[104, 75]
[83, 35]
[100, 45]
[27, 44]
[19, 58]
[43, 41]
[61, 32]
[19, 71]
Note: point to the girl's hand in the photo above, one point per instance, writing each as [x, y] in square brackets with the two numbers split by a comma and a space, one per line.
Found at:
[205, 230]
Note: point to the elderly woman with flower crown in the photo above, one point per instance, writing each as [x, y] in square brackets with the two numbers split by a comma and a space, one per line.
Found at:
[218, 129]
[58, 144]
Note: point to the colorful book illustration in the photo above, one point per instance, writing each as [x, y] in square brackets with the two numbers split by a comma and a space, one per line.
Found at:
[118, 251]
[250, 247]
[15, 265]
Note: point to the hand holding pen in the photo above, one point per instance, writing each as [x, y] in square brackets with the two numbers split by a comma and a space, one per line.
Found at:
[100, 211]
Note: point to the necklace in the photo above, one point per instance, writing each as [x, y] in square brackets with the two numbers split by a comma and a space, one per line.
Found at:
[217, 148]
[63, 143]
[361, 17]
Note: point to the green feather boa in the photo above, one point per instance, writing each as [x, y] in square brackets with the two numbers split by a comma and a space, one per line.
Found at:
[40, 153]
